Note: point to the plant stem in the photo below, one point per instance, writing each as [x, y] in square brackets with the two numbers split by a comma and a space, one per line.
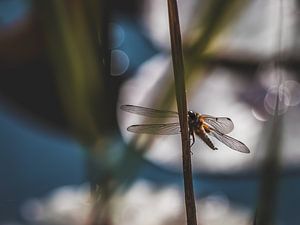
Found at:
[267, 203]
[178, 68]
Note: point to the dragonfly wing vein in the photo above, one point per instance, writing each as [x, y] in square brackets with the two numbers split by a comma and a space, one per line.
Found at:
[221, 124]
[160, 129]
[230, 141]
[143, 111]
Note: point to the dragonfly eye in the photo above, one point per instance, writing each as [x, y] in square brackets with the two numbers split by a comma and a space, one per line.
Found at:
[192, 115]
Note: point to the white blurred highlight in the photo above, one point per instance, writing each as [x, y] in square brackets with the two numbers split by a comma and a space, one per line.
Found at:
[155, 19]
[217, 210]
[254, 30]
[142, 203]
[148, 205]
[64, 206]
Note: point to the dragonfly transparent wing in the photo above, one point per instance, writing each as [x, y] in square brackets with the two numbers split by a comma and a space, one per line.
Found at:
[221, 124]
[229, 141]
[143, 111]
[161, 129]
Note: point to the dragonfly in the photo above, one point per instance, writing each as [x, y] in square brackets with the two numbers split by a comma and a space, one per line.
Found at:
[201, 125]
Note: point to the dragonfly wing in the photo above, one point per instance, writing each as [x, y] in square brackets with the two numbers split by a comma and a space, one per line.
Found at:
[143, 111]
[221, 124]
[161, 129]
[229, 141]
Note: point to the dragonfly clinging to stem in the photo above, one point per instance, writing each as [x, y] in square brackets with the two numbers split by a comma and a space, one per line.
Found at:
[201, 125]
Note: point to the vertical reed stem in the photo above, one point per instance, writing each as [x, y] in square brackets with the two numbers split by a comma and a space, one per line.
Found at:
[178, 68]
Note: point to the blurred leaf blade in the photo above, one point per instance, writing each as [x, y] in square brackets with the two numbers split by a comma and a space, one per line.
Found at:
[218, 16]
[76, 62]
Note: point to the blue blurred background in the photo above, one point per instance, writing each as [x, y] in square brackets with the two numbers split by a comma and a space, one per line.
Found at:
[66, 67]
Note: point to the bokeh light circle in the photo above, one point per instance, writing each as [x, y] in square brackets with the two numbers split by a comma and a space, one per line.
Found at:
[271, 99]
[117, 35]
[293, 87]
[119, 62]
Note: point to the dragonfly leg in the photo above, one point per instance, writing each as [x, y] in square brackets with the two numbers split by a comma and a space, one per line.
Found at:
[193, 140]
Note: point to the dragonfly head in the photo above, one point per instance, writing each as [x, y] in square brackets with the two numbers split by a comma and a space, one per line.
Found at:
[192, 115]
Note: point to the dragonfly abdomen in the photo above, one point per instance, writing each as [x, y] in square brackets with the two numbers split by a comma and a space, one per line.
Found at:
[201, 133]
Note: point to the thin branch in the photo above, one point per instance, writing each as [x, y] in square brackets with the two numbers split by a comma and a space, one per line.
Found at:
[182, 110]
